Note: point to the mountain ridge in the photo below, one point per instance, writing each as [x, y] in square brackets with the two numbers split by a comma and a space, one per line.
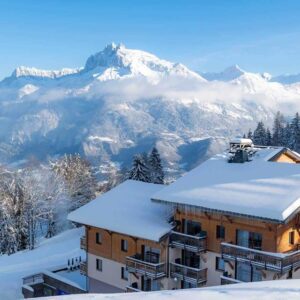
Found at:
[125, 101]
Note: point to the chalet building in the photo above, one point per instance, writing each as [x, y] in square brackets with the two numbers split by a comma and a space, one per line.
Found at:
[235, 218]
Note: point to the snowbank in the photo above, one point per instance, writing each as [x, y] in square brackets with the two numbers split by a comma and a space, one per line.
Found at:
[266, 290]
[51, 253]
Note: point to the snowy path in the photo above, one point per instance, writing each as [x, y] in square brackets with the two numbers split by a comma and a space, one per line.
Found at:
[49, 254]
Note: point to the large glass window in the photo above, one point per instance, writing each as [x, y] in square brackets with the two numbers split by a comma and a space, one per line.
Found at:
[220, 264]
[247, 273]
[191, 227]
[249, 239]
[151, 254]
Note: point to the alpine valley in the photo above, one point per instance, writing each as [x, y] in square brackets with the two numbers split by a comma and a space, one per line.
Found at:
[126, 101]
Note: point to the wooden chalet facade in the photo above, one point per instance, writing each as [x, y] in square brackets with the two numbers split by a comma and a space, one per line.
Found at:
[200, 245]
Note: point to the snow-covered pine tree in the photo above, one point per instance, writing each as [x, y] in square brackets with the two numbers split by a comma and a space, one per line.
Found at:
[139, 170]
[294, 134]
[250, 134]
[268, 137]
[278, 130]
[156, 170]
[260, 135]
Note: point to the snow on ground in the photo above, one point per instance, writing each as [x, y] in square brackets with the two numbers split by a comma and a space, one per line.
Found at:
[50, 254]
[266, 290]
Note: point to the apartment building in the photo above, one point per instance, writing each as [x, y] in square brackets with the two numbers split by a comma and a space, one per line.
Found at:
[235, 218]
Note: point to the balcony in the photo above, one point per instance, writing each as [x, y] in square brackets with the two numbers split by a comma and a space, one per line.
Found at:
[188, 242]
[83, 268]
[225, 279]
[188, 274]
[131, 289]
[135, 264]
[83, 243]
[278, 262]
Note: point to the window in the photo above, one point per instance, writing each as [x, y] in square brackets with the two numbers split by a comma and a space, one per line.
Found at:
[248, 239]
[220, 233]
[124, 273]
[124, 245]
[99, 264]
[292, 238]
[98, 238]
[220, 264]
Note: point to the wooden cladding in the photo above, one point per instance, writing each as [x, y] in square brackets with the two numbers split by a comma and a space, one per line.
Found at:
[275, 238]
[113, 245]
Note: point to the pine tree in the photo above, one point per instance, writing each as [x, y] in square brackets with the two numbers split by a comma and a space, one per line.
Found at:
[278, 130]
[294, 136]
[260, 134]
[139, 170]
[268, 137]
[250, 134]
[156, 169]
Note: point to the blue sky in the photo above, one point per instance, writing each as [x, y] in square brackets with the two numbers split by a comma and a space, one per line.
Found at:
[259, 35]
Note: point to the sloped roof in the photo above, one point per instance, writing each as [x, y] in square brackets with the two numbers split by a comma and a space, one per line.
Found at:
[126, 209]
[259, 188]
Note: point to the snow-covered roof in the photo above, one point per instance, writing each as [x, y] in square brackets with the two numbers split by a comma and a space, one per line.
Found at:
[241, 141]
[259, 188]
[127, 209]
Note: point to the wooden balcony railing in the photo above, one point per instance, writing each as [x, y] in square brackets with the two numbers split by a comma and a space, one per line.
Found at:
[188, 274]
[278, 262]
[135, 264]
[188, 242]
[83, 268]
[83, 243]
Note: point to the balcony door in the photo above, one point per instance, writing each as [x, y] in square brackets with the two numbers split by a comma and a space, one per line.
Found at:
[150, 284]
[191, 227]
[190, 259]
[249, 239]
[150, 254]
[247, 273]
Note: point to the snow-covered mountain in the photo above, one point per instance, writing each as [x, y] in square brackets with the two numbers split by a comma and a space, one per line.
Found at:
[228, 74]
[125, 101]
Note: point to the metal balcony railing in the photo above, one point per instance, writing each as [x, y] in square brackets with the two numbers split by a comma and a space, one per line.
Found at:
[228, 280]
[33, 279]
[188, 274]
[278, 262]
[83, 245]
[188, 242]
[131, 289]
[83, 268]
[135, 264]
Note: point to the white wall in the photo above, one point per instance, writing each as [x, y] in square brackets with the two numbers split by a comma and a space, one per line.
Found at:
[111, 271]
[208, 260]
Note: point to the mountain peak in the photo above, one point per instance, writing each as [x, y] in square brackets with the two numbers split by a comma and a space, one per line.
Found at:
[111, 56]
[228, 74]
